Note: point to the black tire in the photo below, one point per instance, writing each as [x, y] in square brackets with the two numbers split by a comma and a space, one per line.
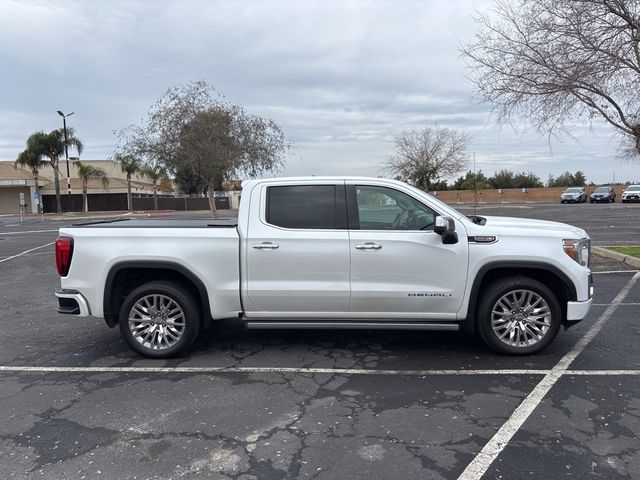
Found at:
[188, 318]
[494, 292]
[590, 201]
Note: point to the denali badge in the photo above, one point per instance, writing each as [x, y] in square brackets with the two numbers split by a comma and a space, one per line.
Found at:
[483, 239]
[430, 294]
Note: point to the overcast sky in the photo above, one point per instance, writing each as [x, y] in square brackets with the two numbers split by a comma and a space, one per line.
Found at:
[340, 77]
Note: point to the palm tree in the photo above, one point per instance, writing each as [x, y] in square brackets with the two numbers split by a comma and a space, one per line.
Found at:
[85, 172]
[51, 146]
[129, 165]
[155, 173]
[34, 162]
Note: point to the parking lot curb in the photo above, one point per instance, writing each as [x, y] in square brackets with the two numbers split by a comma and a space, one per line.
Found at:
[621, 257]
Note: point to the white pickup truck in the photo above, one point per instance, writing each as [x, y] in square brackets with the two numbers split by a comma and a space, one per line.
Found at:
[325, 252]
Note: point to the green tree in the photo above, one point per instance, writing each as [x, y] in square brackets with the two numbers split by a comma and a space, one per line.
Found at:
[34, 162]
[52, 146]
[439, 186]
[156, 174]
[191, 128]
[502, 179]
[190, 182]
[85, 172]
[579, 178]
[527, 180]
[130, 165]
[472, 181]
[568, 179]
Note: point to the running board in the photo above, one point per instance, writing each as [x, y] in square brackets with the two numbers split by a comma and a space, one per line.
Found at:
[296, 324]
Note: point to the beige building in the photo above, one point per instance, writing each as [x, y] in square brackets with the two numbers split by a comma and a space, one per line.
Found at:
[15, 181]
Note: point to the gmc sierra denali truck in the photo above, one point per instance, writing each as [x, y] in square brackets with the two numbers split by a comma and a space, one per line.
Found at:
[324, 252]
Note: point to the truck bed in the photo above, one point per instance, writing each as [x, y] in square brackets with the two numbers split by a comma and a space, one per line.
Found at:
[159, 223]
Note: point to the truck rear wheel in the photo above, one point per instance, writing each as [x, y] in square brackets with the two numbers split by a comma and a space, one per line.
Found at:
[159, 319]
[518, 316]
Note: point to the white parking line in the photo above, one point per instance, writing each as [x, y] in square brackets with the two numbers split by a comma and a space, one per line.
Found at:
[614, 271]
[28, 231]
[602, 372]
[624, 304]
[333, 371]
[26, 251]
[30, 254]
[480, 464]
[300, 370]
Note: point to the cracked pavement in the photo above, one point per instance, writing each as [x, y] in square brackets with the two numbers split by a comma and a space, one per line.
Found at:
[294, 425]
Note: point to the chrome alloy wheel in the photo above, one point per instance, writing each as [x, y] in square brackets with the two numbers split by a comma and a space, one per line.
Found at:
[156, 322]
[520, 318]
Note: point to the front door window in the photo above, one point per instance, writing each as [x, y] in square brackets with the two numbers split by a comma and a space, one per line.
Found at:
[382, 208]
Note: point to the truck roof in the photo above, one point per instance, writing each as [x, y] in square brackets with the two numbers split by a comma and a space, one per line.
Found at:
[319, 178]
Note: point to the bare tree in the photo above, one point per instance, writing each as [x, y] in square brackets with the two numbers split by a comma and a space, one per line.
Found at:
[193, 129]
[428, 155]
[554, 62]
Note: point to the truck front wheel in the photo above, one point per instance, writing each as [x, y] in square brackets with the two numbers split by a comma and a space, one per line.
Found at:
[159, 319]
[518, 316]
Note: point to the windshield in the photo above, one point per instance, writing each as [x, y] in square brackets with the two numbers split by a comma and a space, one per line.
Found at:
[633, 188]
[572, 190]
[602, 189]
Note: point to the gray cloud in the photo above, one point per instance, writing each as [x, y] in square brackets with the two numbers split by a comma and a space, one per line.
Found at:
[341, 77]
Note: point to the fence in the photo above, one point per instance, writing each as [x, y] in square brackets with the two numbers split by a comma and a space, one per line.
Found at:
[179, 203]
[98, 202]
[510, 195]
[111, 202]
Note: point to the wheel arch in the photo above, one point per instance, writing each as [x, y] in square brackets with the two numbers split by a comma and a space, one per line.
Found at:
[548, 274]
[124, 277]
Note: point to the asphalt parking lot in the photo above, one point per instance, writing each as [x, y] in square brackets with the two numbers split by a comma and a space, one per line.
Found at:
[75, 402]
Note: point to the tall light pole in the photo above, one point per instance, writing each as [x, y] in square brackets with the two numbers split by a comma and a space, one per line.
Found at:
[66, 153]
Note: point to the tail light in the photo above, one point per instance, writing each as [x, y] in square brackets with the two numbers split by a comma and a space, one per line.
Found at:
[64, 252]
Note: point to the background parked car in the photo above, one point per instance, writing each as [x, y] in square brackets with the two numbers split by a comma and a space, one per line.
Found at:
[631, 194]
[603, 194]
[573, 195]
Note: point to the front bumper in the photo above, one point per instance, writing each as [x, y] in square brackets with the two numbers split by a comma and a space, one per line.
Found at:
[72, 302]
[576, 311]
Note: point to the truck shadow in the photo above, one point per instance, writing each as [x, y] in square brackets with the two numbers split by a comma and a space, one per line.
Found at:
[379, 349]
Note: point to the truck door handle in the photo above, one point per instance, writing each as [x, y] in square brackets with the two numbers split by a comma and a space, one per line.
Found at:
[265, 246]
[368, 246]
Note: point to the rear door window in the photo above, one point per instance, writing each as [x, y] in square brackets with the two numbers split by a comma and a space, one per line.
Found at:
[303, 206]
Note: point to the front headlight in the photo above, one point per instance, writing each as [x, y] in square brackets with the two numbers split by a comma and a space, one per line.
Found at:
[578, 249]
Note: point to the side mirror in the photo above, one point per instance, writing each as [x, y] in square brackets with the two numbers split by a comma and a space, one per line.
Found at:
[446, 228]
[444, 225]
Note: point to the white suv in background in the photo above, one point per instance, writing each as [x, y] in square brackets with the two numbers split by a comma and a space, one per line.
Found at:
[574, 195]
[631, 194]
